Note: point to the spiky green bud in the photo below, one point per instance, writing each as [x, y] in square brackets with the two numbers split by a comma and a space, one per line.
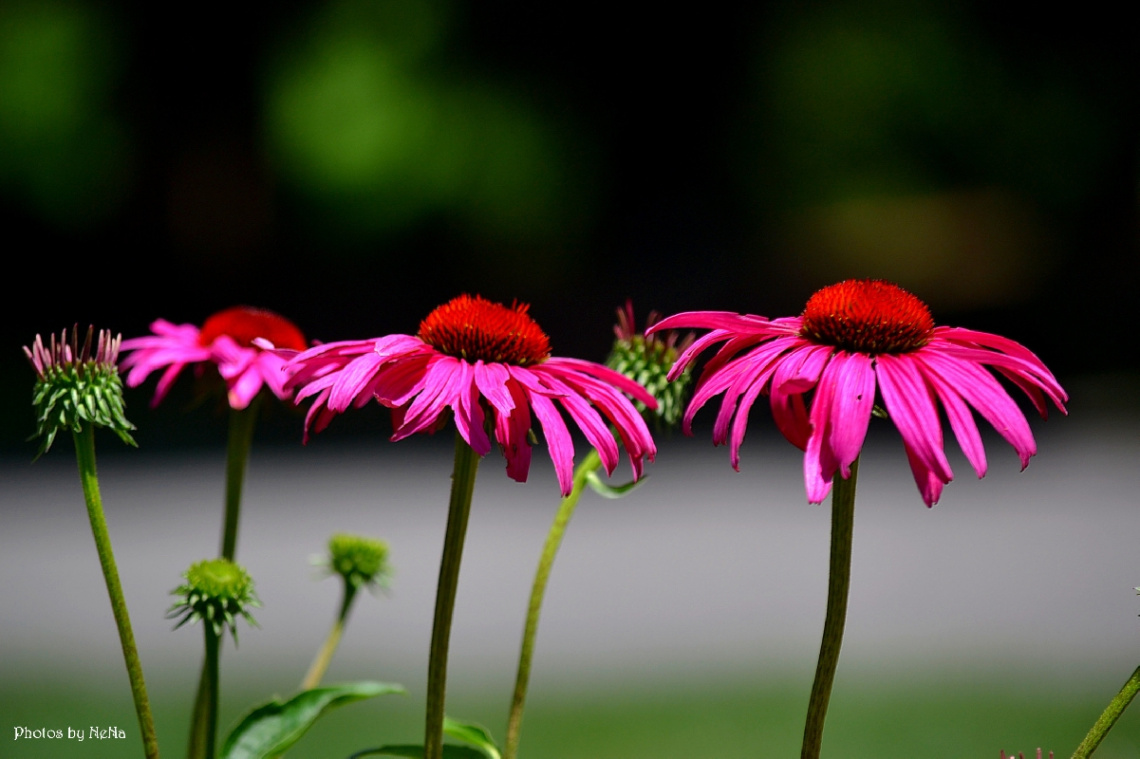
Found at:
[361, 561]
[647, 361]
[75, 387]
[216, 592]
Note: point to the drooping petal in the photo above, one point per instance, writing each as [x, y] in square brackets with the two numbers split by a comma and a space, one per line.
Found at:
[511, 431]
[791, 417]
[442, 381]
[961, 420]
[740, 422]
[491, 379]
[929, 482]
[542, 381]
[799, 370]
[728, 321]
[558, 441]
[757, 366]
[851, 405]
[820, 463]
[576, 367]
[981, 390]
[911, 407]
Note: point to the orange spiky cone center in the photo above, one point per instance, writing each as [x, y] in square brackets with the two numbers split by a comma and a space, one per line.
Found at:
[867, 316]
[243, 324]
[474, 328]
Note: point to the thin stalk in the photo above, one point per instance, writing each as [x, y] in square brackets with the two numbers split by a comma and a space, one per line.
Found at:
[462, 487]
[85, 456]
[842, 527]
[1106, 720]
[553, 540]
[204, 721]
[242, 422]
[321, 663]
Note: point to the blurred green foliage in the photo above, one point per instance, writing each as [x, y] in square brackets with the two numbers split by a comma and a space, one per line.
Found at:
[64, 151]
[870, 718]
[369, 120]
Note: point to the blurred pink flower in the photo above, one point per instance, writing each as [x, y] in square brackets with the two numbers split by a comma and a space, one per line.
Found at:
[470, 356]
[224, 340]
[852, 339]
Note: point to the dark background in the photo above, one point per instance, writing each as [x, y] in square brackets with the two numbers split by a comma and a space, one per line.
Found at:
[353, 164]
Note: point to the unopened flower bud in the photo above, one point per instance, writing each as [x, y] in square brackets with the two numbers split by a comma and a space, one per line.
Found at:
[216, 592]
[361, 561]
[647, 360]
[76, 385]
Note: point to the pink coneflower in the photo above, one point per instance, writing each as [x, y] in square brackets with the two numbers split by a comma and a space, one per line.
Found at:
[471, 355]
[852, 339]
[226, 340]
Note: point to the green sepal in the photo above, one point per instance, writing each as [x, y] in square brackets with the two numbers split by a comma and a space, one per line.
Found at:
[605, 490]
[272, 728]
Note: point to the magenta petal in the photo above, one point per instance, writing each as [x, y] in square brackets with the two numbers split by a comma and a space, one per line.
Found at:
[929, 483]
[351, 381]
[511, 432]
[851, 405]
[439, 390]
[791, 417]
[819, 460]
[491, 379]
[981, 390]
[721, 320]
[961, 420]
[577, 368]
[799, 370]
[558, 440]
[909, 402]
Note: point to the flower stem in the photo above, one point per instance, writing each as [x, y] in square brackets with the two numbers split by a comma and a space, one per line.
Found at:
[462, 487]
[321, 663]
[204, 722]
[553, 540]
[85, 456]
[242, 422]
[842, 527]
[1106, 720]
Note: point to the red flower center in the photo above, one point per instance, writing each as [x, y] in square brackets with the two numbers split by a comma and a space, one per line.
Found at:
[867, 316]
[474, 328]
[243, 324]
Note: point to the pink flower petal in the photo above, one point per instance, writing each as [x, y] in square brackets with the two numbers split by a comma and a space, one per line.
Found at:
[909, 402]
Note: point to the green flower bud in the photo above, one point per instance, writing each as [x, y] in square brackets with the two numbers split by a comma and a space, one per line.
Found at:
[75, 387]
[359, 560]
[647, 361]
[216, 592]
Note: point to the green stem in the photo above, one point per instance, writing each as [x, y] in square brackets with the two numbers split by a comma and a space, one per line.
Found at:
[842, 526]
[85, 456]
[242, 422]
[553, 540]
[1112, 713]
[321, 663]
[204, 721]
[462, 487]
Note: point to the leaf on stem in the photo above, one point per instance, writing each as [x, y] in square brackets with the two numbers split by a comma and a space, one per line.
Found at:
[605, 490]
[272, 728]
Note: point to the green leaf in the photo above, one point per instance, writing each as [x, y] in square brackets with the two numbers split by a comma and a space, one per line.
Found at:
[417, 752]
[605, 490]
[270, 729]
[476, 735]
[482, 744]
